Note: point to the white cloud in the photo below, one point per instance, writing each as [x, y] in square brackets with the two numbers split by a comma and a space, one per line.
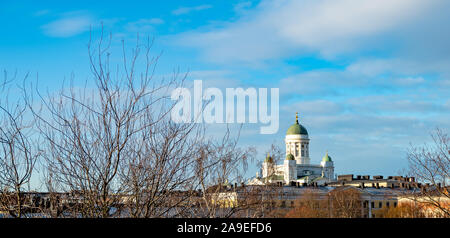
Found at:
[69, 25]
[143, 25]
[314, 107]
[444, 83]
[410, 81]
[152, 21]
[214, 78]
[368, 112]
[322, 24]
[186, 10]
[322, 82]
[400, 65]
[242, 7]
[283, 28]
[395, 105]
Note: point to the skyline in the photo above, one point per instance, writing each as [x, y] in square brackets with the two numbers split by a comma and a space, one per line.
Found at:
[367, 79]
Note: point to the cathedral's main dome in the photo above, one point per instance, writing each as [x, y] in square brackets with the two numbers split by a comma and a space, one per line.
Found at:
[297, 129]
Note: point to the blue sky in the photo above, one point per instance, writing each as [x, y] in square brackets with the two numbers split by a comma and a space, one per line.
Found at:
[368, 78]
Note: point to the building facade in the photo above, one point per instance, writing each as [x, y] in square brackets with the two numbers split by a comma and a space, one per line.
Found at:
[297, 167]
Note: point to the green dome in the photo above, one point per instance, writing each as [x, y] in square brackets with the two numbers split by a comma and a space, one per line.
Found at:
[327, 158]
[297, 129]
[290, 157]
[268, 159]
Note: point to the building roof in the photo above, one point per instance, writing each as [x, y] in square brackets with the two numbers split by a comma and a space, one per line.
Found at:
[319, 178]
[296, 128]
[275, 177]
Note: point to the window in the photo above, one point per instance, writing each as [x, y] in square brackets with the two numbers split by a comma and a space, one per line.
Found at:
[380, 204]
[387, 204]
[395, 204]
[372, 204]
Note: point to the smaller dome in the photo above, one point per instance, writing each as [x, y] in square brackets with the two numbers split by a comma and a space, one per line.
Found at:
[290, 157]
[327, 158]
[268, 159]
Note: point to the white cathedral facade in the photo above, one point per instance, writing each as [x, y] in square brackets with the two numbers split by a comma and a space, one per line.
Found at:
[297, 167]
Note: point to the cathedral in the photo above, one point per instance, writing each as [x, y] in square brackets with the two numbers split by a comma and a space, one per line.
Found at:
[296, 168]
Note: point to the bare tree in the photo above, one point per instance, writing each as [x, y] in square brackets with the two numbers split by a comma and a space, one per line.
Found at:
[258, 198]
[345, 202]
[91, 133]
[274, 156]
[18, 156]
[404, 210]
[219, 164]
[158, 173]
[112, 150]
[430, 164]
[264, 201]
[310, 205]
